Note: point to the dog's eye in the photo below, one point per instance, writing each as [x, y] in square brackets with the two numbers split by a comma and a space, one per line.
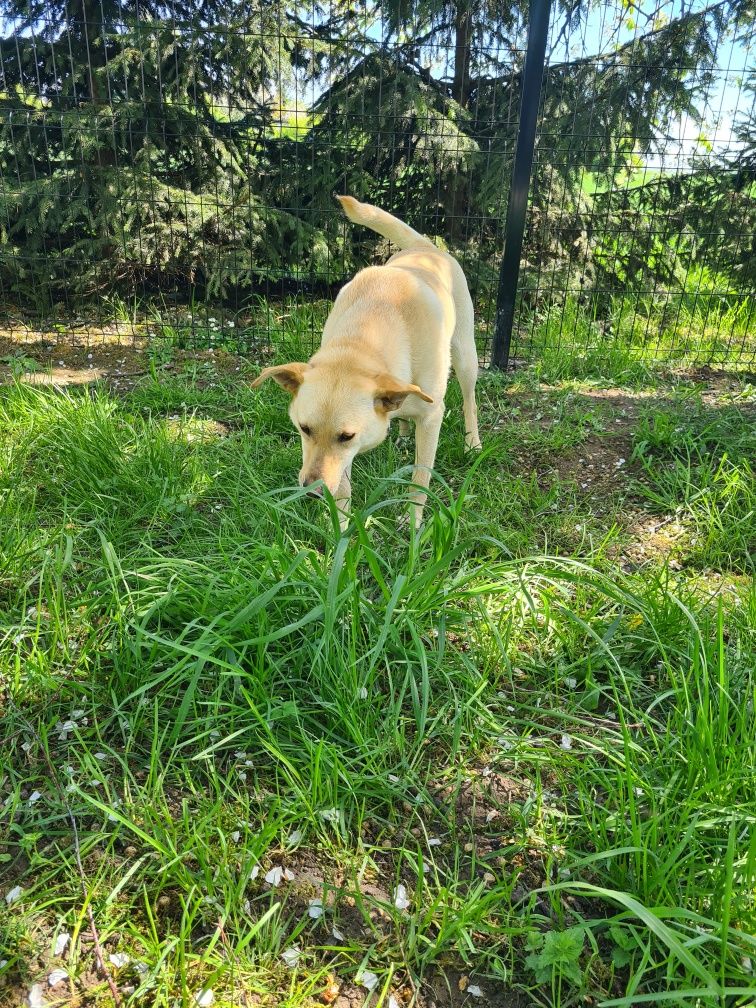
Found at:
[345, 437]
[307, 431]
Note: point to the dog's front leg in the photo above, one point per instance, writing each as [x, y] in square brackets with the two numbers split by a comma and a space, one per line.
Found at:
[427, 431]
[344, 497]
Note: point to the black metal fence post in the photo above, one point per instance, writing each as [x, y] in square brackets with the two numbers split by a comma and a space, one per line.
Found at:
[509, 273]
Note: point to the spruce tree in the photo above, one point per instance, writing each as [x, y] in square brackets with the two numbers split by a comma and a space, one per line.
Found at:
[131, 136]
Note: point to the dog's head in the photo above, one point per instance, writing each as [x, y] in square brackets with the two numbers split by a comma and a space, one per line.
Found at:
[338, 414]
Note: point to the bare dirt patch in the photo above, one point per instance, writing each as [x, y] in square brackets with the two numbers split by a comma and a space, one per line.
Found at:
[598, 467]
[64, 362]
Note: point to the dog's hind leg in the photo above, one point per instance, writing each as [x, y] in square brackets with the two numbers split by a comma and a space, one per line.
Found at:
[465, 363]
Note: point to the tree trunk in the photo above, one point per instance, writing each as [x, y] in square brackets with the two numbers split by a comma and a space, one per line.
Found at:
[462, 37]
[456, 196]
[92, 36]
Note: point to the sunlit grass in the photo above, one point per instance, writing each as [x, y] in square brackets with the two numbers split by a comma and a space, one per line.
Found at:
[552, 757]
[637, 338]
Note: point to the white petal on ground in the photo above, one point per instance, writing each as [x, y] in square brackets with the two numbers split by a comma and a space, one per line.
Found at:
[35, 997]
[13, 894]
[331, 815]
[277, 874]
[570, 682]
[293, 838]
[56, 976]
[392, 1002]
[474, 991]
[255, 872]
[401, 902]
[204, 998]
[34, 797]
[566, 742]
[291, 956]
[315, 908]
[61, 943]
[235, 835]
[337, 934]
[362, 693]
[368, 980]
[274, 876]
[64, 729]
[119, 959]
[434, 842]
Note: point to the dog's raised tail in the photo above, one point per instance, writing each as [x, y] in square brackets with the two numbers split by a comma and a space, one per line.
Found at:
[383, 223]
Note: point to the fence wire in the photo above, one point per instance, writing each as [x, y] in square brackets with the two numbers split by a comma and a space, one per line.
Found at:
[167, 170]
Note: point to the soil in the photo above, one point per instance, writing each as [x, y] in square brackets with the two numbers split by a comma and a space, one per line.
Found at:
[64, 363]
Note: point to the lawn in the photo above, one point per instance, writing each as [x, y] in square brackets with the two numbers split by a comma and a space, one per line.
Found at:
[250, 761]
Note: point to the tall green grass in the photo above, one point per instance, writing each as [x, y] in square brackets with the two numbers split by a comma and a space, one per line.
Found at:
[628, 342]
[552, 757]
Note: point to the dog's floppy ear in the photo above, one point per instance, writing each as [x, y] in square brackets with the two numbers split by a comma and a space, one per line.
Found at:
[390, 393]
[288, 376]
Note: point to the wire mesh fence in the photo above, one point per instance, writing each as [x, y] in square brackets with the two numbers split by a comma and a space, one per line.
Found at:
[167, 170]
